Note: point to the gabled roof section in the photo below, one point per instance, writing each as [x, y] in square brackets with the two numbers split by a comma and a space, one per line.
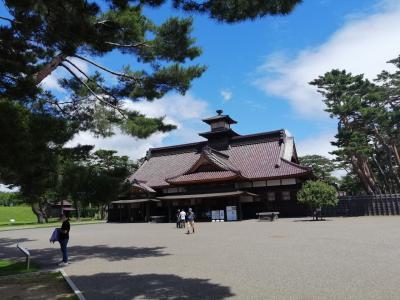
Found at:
[141, 186]
[215, 158]
[222, 169]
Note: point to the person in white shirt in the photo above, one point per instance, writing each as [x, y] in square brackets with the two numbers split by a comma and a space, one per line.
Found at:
[183, 218]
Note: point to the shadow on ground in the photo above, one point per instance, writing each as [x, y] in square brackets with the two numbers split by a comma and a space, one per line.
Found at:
[311, 220]
[49, 257]
[148, 286]
[8, 247]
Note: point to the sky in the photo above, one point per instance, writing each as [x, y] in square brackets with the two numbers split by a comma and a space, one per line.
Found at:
[258, 72]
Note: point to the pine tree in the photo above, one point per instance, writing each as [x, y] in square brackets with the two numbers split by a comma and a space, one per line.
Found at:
[368, 115]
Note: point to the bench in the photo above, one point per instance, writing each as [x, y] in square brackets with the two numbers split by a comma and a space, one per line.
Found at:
[269, 215]
[156, 219]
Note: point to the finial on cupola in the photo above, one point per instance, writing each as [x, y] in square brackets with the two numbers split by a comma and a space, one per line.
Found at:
[219, 112]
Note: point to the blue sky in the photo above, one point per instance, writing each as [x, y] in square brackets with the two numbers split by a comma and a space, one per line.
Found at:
[258, 71]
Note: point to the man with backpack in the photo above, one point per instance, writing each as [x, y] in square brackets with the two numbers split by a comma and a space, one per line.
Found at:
[63, 239]
[190, 220]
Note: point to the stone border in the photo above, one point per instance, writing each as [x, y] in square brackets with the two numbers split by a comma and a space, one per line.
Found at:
[72, 285]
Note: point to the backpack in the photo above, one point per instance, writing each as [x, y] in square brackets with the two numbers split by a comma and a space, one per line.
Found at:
[190, 217]
[55, 236]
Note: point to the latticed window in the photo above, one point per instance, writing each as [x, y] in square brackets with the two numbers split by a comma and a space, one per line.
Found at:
[286, 195]
[271, 196]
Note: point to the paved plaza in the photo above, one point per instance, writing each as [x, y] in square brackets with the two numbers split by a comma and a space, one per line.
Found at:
[341, 258]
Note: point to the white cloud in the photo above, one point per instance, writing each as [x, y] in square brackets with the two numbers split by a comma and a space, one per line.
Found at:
[4, 188]
[318, 144]
[174, 106]
[122, 143]
[226, 95]
[362, 45]
[184, 111]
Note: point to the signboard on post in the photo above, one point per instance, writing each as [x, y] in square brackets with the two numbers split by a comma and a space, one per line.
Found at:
[26, 253]
[215, 214]
[231, 213]
[218, 215]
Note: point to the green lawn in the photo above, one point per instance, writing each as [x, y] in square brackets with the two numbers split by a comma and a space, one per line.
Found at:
[11, 267]
[21, 214]
[24, 217]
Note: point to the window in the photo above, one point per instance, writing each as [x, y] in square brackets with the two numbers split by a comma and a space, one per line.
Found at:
[271, 196]
[219, 124]
[288, 181]
[286, 195]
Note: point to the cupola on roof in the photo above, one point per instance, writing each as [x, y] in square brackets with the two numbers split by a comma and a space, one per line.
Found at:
[220, 117]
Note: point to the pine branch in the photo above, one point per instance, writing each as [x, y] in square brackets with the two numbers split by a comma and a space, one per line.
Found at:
[93, 93]
[48, 68]
[107, 70]
[58, 106]
[128, 45]
[88, 78]
[9, 20]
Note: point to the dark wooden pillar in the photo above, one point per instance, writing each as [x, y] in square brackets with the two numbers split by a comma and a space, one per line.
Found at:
[239, 209]
[148, 211]
[169, 212]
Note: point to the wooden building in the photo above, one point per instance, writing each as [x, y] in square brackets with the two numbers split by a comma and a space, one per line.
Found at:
[228, 176]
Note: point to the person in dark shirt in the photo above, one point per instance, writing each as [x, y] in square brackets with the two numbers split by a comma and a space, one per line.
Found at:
[64, 237]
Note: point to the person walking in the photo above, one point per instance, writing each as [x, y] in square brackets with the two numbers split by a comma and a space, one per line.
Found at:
[183, 217]
[64, 238]
[190, 221]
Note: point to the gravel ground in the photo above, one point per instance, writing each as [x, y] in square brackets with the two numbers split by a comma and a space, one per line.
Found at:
[341, 258]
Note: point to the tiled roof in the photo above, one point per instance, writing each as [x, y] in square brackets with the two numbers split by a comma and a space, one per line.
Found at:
[203, 177]
[218, 159]
[256, 157]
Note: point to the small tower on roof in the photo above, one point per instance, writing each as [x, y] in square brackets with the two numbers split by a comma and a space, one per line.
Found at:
[220, 130]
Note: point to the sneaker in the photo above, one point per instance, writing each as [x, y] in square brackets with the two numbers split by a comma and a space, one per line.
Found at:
[63, 264]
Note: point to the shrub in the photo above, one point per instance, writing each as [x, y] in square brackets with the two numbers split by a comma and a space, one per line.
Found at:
[317, 194]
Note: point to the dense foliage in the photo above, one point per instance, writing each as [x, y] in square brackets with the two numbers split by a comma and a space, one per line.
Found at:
[322, 167]
[368, 115]
[317, 194]
[10, 199]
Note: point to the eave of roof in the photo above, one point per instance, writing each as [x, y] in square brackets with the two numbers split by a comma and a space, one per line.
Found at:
[207, 195]
[135, 201]
[203, 177]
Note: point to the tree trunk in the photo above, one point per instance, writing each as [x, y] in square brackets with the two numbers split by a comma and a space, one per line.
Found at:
[363, 178]
[61, 207]
[37, 212]
[48, 68]
[396, 154]
[43, 212]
